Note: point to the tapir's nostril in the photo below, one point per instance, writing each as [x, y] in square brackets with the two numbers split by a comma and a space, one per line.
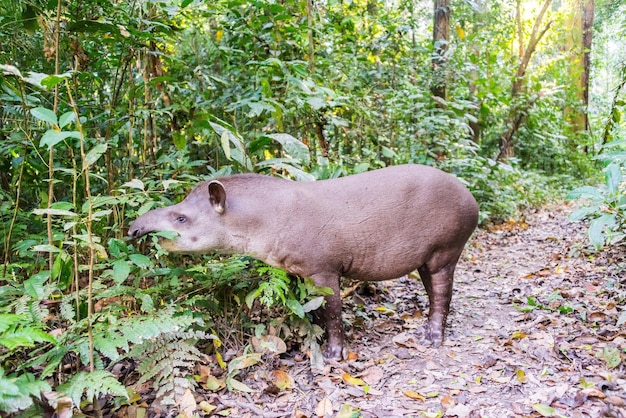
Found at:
[134, 232]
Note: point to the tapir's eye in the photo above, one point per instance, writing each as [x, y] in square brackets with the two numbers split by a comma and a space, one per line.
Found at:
[181, 219]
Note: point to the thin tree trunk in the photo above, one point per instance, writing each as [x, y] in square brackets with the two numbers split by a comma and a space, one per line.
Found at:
[588, 16]
[517, 114]
[441, 38]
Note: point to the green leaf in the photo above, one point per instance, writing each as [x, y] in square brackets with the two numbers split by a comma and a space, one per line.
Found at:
[147, 304]
[313, 304]
[140, 261]
[226, 144]
[25, 337]
[613, 175]
[52, 80]
[8, 320]
[53, 137]
[54, 212]
[94, 384]
[235, 384]
[582, 213]
[295, 307]
[66, 118]
[611, 355]
[93, 155]
[292, 147]
[121, 270]
[588, 192]
[34, 286]
[597, 229]
[45, 115]
[135, 184]
[46, 248]
[544, 410]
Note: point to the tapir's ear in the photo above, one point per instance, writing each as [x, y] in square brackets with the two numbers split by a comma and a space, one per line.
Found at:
[217, 196]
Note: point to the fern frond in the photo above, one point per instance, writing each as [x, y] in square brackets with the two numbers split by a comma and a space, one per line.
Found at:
[90, 385]
[16, 393]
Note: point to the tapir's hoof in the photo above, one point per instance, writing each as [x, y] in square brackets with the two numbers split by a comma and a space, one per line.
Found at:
[429, 338]
[335, 352]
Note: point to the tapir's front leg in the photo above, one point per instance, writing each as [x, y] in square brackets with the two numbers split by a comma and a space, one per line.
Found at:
[331, 315]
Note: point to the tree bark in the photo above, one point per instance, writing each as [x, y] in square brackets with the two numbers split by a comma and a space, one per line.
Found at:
[517, 114]
[441, 38]
[588, 16]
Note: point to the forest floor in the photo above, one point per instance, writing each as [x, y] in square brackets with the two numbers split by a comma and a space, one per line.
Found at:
[537, 328]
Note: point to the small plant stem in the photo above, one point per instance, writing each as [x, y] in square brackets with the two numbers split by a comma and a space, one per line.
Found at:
[90, 241]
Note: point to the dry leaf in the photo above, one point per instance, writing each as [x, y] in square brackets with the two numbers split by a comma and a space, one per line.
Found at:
[268, 344]
[521, 376]
[187, 404]
[447, 401]
[518, 335]
[372, 375]
[413, 395]
[281, 379]
[324, 408]
[354, 381]
[207, 407]
[214, 384]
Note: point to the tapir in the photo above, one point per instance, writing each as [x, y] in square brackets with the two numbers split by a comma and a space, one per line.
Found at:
[377, 225]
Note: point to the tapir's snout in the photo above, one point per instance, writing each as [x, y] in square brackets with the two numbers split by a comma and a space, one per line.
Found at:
[135, 231]
[140, 227]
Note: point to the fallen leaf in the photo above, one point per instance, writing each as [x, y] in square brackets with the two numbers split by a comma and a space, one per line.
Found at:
[281, 379]
[243, 362]
[268, 344]
[615, 400]
[207, 407]
[352, 380]
[241, 387]
[611, 356]
[372, 375]
[447, 401]
[413, 395]
[385, 311]
[544, 410]
[521, 376]
[518, 335]
[187, 404]
[460, 411]
[324, 408]
[214, 384]
[347, 411]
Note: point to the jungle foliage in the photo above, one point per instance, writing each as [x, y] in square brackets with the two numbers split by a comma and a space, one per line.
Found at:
[111, 108]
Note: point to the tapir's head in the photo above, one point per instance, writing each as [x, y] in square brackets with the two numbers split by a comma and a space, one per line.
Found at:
[196, 221]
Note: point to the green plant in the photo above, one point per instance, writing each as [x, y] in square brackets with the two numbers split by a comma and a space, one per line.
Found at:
[606, 207]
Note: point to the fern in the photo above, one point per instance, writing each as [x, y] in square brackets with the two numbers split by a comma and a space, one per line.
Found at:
[94, 384]
[16, 393]
[116, 336]
[168, 360]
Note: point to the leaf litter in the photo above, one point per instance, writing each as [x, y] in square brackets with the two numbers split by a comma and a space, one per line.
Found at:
[536, 329]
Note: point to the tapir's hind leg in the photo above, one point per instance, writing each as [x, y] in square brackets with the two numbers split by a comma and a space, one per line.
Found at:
[439, 289]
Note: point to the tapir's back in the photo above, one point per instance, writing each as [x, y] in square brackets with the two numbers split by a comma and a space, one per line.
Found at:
[388, 222]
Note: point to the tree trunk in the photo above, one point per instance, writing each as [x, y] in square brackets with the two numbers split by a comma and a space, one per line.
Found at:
[579, 20]
[588, 16]
[517, 114]
[441, 38]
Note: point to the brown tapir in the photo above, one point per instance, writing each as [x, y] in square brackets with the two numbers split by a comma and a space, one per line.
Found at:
[378, 225]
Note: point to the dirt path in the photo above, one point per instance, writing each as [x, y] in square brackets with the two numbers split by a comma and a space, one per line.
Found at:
[536, 329]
